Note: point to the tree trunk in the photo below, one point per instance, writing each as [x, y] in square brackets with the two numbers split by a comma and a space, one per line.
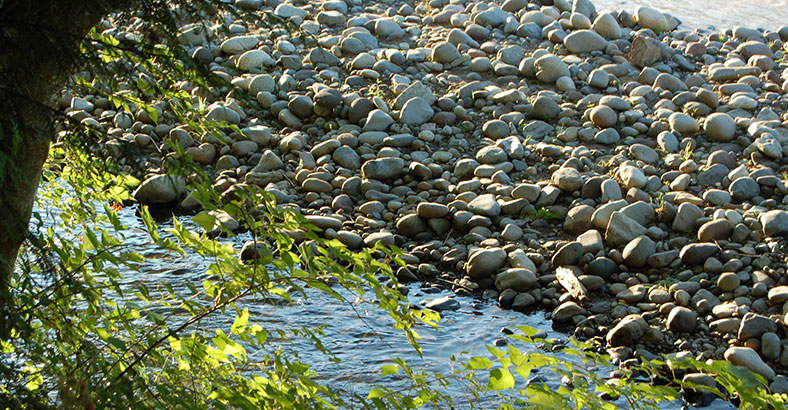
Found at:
[39, 50]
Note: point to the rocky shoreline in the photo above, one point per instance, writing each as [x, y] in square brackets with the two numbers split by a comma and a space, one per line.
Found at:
[624, 174]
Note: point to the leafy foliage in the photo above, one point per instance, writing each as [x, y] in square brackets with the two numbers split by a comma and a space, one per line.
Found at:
[98, 342]
[84, 335]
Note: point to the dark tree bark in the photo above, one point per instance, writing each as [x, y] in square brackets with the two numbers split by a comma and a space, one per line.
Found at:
[39, 49]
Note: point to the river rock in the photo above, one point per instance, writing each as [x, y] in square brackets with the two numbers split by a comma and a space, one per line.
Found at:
[495, 129]
[491, 155]
[416, 112]
[770, 346]
[598, 79]
[328, 98]
[716, 230]
[411, 225]
[566, 311]
[432, 210]
[584, 7]
[637, 251]
[713, 175]
[388, 29]
[644, 153]
[385, 238]
[331, 18]
[485, 205]
[686, 215]
[568, 179]
[518, 279]
[550, 68]
[316, 185]
[746, 357]
[378, 120]
[683, 124]
[262, 83]
[632, 295]
[254, 249]
[360, 109]
[610, 191]
[416, 89]
[383, 168]
[697, 253]
[222, 113]
[648, 17]
[628, 331]
[645, 51]
[485, 263]
[578, 219]
[719, 127]
[568, 254]
[204, 153]
[239, 44]
[769, 146]
[607, 26]
[287, 11]
[442, 304]
[682, 320]
[324, 222]
[622, 229]
[632, 177]
[754, 326]
[744, 189]
[160, 189]
[775, 223]
[346, 157]
[603, 116]
[322, 56]
[445, 52]
[584, 41]
[254, 61]
[728, 281]
[545, 108]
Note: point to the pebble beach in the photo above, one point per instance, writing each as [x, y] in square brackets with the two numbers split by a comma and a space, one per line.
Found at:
[624, 174]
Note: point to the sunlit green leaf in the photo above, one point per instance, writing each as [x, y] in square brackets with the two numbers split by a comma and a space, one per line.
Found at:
[500, 379]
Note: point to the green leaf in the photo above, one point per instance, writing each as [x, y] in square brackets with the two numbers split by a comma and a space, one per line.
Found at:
[35, 382]
[495, 351]
[155, 317]
[119, 343]
[477, 363]
[500, 379]
[239, 326]
[389, 369]
[205, 220]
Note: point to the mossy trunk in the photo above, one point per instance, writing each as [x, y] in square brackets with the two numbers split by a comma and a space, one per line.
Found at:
[39, 49]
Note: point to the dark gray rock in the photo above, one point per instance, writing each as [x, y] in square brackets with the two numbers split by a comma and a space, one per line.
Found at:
[697, 253]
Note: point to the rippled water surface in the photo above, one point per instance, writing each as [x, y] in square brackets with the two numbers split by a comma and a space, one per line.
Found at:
[713, 14]
[358, 333]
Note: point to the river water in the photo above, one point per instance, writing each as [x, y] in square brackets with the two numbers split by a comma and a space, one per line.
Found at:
[712, 14]
[359, 334]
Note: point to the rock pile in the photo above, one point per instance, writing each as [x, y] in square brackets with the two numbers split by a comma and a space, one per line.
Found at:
[496, 142]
